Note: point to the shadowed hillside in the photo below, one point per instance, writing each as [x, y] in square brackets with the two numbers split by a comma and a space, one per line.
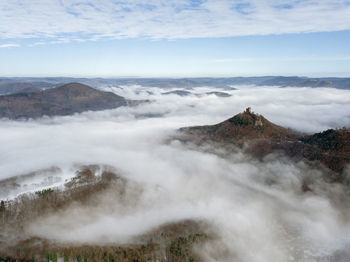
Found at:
[63, 100]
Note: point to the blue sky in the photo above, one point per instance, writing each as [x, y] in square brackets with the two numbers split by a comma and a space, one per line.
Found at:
[181, 38]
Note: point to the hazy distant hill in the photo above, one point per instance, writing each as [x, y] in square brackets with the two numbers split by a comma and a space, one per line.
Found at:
[178, 92]
[7, 85]
[294, 81]
[62, 100]
[219, 94]
[21, 87]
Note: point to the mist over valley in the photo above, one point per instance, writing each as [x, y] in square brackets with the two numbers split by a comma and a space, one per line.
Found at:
[128, 183]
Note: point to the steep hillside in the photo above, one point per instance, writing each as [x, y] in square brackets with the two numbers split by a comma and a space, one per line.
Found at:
[331, 140]
[242, 127]
[62, 100]
[259, 137]
[331, 147]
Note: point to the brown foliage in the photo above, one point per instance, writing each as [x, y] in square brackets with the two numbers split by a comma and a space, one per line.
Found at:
[171, 242]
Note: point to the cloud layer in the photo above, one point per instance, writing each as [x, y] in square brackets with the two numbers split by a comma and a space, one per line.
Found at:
[256, 209]
[49, 142]
[66, 20]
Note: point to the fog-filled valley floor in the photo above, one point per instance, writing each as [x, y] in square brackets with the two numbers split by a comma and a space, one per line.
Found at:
[119, 184]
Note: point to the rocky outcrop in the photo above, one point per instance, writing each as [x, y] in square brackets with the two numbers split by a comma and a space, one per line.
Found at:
[259, 137]
[242, 127]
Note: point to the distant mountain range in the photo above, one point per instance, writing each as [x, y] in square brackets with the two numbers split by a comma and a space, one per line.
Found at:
[16, 84]
[62, 100]
[259, 137]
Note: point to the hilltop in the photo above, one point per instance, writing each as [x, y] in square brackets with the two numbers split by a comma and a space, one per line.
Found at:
[259, 137]
[242, 127]
[62, 100]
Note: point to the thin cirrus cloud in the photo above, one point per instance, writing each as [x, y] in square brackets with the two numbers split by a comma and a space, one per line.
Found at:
[8, 45]
[173, 19]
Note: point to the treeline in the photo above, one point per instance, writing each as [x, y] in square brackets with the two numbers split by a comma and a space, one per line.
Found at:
[80, 189]
[172, 242]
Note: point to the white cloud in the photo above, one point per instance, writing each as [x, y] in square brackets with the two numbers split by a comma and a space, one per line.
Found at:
[8, 45]
[254, 219]
[303, 109]
[168, 19]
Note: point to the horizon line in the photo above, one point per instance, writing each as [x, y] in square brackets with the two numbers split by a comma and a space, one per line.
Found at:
[171, 77]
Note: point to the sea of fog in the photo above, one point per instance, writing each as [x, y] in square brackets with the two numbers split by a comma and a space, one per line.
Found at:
[251, 219]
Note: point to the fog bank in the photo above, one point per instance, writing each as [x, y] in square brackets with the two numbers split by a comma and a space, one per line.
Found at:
[256, 210]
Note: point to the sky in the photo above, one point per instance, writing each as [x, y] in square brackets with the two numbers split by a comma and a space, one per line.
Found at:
[182, 38]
